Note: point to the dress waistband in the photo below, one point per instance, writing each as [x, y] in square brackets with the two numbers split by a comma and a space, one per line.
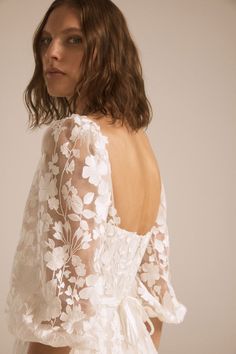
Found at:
[130, 310]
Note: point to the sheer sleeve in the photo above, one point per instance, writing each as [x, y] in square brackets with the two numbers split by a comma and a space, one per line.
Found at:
[154, 286]
[73, 202]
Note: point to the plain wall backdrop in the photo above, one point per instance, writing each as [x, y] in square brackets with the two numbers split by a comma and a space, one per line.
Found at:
[188, 52]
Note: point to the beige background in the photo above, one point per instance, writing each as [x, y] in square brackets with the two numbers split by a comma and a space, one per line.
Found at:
[188, 51]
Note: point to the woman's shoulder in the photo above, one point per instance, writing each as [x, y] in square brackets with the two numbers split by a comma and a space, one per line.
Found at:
[74, 129]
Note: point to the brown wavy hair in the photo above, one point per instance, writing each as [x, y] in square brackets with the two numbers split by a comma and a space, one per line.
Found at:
[112, 82]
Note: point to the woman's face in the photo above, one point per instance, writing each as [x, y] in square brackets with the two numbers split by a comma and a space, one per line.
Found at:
[62, 49]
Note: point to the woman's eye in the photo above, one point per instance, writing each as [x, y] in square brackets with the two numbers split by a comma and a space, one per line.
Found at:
[75, 40]
[72, 40]
[43, 40]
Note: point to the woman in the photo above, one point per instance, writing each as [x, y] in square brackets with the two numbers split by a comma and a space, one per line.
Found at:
[91, 270]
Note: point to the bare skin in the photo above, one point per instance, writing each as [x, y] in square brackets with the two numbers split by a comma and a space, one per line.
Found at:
[38, 348]
[131, 156]
[156, 336]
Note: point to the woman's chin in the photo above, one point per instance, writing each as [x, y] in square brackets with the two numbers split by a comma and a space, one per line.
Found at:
[58, 93]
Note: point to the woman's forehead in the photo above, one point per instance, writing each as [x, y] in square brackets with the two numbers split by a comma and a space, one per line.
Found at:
[63, 19]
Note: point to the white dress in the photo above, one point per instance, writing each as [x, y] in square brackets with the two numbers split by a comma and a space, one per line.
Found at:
[78, 279]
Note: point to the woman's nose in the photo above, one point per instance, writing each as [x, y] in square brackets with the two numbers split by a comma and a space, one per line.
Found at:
[54, 50]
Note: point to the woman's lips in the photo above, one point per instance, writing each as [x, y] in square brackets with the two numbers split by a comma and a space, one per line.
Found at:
[53, 70]
[54, 74]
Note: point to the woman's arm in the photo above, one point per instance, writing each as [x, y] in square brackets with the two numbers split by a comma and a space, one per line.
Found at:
[38, 348]
[156, 336]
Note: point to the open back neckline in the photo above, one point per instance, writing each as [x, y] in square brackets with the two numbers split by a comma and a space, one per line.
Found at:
[115, 215]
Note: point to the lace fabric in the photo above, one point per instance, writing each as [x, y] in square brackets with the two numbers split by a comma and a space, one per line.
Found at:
[72, 255]
[153, 279]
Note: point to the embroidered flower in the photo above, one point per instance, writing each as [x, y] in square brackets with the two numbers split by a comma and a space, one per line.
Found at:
[53, 203]
[51, 307]
[72, 319]
[94, 170]
[56, 258]
[79, 266]
[150, 273]
[52, 165]
[47, 187]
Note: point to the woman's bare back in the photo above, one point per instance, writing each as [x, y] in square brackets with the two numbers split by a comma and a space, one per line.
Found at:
[135, 176]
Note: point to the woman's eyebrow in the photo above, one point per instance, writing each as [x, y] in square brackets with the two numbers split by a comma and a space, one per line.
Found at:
[65, 31]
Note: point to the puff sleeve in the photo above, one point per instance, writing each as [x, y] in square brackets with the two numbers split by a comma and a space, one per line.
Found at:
[60, 307]
[154, 287]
